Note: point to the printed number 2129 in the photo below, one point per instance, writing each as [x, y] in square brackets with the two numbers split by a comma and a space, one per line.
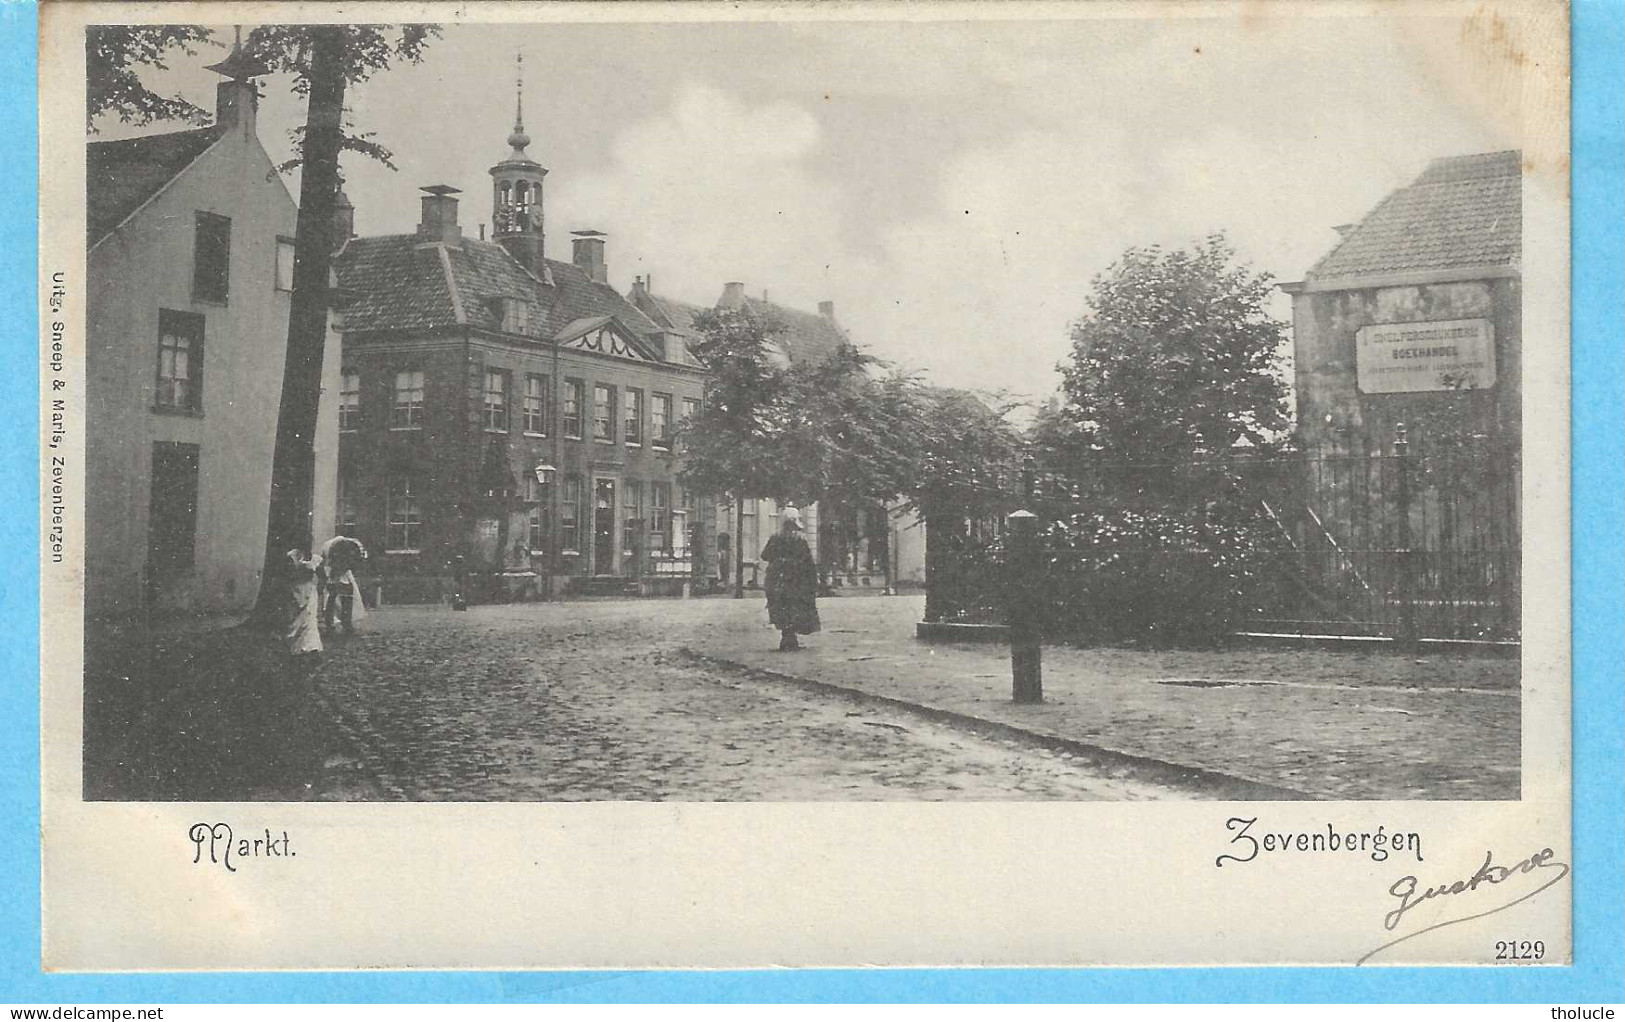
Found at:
[1520, 950]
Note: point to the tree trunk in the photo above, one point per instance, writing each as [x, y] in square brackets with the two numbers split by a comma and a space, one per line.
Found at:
[293, 465]
[739, 547]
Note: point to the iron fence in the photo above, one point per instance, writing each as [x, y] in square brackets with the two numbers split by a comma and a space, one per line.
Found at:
[1406, 542]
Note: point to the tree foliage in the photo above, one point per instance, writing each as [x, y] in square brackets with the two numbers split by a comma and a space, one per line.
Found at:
[115, 55]
[366, 50]
[1175, 357]
[743, 440]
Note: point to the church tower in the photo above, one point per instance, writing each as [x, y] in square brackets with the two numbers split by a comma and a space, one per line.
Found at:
[516, 193]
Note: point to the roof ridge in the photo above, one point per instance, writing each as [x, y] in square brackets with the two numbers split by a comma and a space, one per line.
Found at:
[451, 285]
[219, 131]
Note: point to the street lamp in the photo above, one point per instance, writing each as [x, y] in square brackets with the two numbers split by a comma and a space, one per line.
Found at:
[544, 472]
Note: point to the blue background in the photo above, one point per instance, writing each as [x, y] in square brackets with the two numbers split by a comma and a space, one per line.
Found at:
[1599, 651]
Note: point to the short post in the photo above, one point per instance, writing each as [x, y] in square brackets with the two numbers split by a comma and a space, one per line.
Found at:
[1407, 638]
[1021, 615]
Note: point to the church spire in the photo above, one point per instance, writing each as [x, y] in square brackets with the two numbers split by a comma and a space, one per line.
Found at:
[519, 140]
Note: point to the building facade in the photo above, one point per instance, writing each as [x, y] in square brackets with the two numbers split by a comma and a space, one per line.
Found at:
[505, 420]
[1415, 319]
[1418, 308]
[190, 271]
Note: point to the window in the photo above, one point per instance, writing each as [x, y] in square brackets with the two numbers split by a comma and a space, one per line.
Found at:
[405, 529]
[572, 408]
[748, 530]
[349, 400]
[691, 407]
[496, 400]
[634, 417]
[660, 420]
[536, 537]
[659, 516]
[603, 413]
[180, 361]
[685, 499]
[534, 412]
[284, 264]
[570, 515]
[408, 410]
[631, 515]
[211, 258]
[515, 316]
[347, 515]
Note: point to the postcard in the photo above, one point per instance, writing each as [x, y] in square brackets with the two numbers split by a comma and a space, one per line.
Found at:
[636, 485]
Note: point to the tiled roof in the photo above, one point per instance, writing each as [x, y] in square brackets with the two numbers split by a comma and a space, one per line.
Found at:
[123, 174]
[404, 282]
[669, 311]
[1462, 211]
[807, 336]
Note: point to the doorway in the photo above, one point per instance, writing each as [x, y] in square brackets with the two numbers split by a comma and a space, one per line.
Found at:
[603, 527]
[171, 516]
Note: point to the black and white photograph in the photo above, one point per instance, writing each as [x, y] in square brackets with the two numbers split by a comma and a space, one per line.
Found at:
[1085, 404]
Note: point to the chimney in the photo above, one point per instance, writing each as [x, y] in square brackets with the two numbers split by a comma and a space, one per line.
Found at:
[439, 221]
[343, 219]
[733, 295]
[827, 310]
[236, 100]
[587, 252]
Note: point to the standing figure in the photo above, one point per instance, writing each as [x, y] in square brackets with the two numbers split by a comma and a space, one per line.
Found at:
[792, 582]
[303, 632]
[341, 556]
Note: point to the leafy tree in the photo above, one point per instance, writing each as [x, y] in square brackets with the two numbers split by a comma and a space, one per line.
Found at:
[856, 438]
[1175, 357]
[114, 57]
[323, 60]
[1173, 368]
[744, 441]
[966, 475]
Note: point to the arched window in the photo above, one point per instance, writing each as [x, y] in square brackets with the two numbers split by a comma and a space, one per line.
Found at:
[521, 196]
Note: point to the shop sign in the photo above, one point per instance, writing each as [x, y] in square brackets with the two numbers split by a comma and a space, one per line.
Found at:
[1405, 358]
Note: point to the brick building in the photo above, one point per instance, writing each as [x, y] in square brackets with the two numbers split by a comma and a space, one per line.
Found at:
[1416, 318]
[506, 414]
[1418, 307]
[190, 276]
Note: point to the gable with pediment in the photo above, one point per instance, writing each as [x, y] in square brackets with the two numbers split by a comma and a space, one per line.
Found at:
[610, 338]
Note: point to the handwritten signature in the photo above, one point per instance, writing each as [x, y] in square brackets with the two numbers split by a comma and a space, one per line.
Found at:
[1407, 889]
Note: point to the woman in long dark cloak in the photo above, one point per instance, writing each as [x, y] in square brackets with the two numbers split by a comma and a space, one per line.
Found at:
[792, 582]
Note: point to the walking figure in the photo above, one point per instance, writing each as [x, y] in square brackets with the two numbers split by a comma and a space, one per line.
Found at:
[791, 583]
[341, 557]
[303, 629]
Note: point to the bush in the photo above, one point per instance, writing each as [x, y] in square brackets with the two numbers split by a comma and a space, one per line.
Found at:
[1157, 576]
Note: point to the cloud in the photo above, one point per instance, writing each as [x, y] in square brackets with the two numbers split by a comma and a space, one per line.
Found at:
[709, 190]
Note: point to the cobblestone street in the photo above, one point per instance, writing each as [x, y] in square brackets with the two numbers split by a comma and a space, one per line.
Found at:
[585, 701]
[687, 700]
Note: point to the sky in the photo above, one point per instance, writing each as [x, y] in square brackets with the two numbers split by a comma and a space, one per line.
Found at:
[952, 186]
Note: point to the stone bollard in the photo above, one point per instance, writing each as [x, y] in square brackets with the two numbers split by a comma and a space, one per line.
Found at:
[1022, 612]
